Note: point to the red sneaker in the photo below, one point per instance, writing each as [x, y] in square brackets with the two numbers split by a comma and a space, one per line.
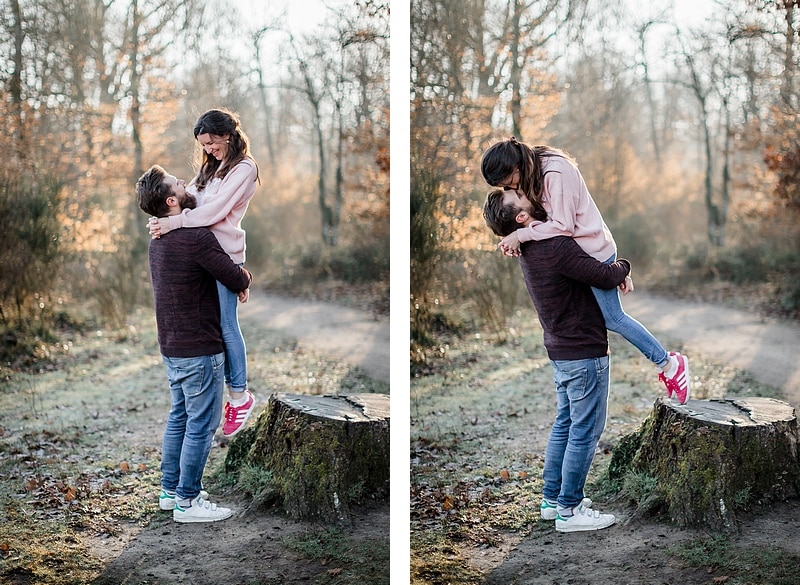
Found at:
[678, 384]
[236, 416]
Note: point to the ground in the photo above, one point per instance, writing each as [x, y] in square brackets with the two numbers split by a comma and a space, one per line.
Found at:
[480, 420]
[478, 431]
[81, 444]
[247, 548]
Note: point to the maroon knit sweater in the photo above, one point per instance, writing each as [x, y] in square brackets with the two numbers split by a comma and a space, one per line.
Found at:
[558, 275]
[184, 267]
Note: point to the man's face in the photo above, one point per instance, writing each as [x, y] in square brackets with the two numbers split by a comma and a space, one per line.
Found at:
[178, 187]
[518, 200]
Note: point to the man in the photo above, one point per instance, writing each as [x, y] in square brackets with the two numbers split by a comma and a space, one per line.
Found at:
[185, 266]
[558, 275]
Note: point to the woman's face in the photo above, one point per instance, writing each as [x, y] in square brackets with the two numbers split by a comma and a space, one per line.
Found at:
[511, 182]
[216, 146]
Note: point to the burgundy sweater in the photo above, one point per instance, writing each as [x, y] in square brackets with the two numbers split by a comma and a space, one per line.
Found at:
[184, 267]
[558, 275]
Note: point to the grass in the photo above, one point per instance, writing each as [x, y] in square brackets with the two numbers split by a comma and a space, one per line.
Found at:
[480, 416]
[741, 565]
[350, 561]
[80, 440]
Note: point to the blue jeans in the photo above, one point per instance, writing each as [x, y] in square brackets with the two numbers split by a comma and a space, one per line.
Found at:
[235, 350]
[581, 407]
[196, 386]
[618, 321]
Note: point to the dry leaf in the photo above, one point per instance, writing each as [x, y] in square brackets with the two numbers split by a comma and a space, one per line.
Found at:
[32, 484]
[124, 466]
[523, 474]
[721, 579]
[334, 572]
[504, 474]
[141, 467]
[449, 503]
[4, 547]
[71, 494]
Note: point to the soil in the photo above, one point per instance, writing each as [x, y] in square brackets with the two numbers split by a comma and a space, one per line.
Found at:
[636, 551]
[247, 548]
[339, 332]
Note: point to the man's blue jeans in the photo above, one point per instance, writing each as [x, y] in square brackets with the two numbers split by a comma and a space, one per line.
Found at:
[235, 350]
[618, 321]
[196, 386]
[582, 404]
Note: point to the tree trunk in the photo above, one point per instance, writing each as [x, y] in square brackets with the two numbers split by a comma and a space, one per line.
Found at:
[710, 460]
[325, 454]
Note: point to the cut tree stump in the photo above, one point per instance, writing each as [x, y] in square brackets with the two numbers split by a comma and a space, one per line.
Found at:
[710, 460]
[324, 454]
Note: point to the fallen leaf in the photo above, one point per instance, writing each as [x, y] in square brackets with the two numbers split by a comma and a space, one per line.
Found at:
[449, 503]
[4, 547]
[504, 474]
[523, 474]
[141, 467]
[71, 494]
[124, 466]
[334, 572]
[721, 579]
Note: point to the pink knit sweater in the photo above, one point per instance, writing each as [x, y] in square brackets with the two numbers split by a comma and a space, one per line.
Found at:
[221, 206]
[571, 211]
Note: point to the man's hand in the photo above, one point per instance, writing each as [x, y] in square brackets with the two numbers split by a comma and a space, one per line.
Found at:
[510, 244]
[627, 285]
[244, 295]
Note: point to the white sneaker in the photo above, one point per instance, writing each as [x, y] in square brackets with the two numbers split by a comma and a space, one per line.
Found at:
[200, 510]
[583, 519]
[166, 500]
[549, 511]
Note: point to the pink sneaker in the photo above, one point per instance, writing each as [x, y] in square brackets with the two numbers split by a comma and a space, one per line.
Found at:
[677, 385]
[236, 416]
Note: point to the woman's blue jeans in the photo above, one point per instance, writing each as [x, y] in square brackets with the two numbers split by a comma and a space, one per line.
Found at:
[618, 321]
[196, 386]
[582, 404]
[235, 350]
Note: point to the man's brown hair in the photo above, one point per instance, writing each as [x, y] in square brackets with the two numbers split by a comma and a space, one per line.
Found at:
[152, 192]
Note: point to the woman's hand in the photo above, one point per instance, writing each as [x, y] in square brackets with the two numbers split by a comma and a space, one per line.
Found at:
[154, 227]
[510, 244]
[244, 295]
[627, 285]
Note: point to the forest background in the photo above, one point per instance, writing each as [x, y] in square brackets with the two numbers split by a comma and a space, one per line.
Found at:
[96, 91]
[683, 118]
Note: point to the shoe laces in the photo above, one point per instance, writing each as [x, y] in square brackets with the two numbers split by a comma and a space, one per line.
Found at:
[230, 412]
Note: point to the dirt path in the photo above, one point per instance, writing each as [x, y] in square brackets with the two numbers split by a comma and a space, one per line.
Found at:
[353, 336]
[765, 347]
[633, 552]
[248, 548]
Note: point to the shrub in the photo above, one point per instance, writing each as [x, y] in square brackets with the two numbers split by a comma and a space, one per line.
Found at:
[29, 207]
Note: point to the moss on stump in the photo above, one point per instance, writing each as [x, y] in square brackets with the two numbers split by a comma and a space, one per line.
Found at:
[710, 460]
[325, 454]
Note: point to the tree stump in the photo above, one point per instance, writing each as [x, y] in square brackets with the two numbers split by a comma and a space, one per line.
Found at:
[325, 454]
[711, 460]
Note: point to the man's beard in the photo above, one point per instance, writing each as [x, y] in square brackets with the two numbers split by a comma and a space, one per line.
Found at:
[189, 202]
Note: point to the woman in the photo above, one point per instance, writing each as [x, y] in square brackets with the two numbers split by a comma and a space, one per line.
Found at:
[223, 187]
[549, 180]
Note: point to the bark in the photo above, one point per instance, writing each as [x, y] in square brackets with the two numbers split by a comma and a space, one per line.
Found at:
[326, 454]
[710, 461]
